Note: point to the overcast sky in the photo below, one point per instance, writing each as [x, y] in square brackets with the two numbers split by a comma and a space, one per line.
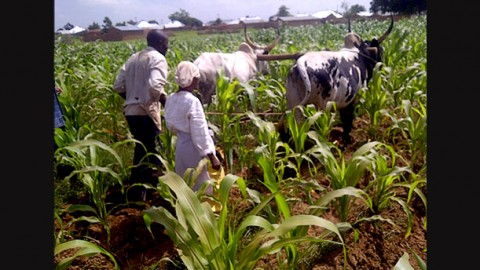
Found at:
[83, 13]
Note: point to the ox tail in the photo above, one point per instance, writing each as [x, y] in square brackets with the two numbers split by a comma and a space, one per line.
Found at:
[302, 70]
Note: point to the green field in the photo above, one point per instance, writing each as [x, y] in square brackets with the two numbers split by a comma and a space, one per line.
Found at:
[270, 169]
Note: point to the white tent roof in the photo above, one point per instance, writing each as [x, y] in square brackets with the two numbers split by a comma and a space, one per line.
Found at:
[232, 22]
[365, 13]
[145, 24]
[74, 30]
[325, 13]
[251, 19]
[301, 15]
[173, 24]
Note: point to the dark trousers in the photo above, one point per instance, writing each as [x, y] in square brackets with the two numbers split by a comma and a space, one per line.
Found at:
[144, 130]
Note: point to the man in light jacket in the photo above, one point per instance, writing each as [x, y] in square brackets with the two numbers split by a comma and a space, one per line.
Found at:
[141, 82]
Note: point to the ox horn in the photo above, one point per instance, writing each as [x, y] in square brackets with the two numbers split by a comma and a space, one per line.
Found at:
[274, 57]
[349, 27]
[380, 39]
[256, 46]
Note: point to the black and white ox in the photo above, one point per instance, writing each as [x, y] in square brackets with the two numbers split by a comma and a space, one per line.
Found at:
[318, 77]
[242, 65]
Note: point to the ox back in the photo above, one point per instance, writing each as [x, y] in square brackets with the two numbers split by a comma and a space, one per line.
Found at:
[322, 76]
[242, 65]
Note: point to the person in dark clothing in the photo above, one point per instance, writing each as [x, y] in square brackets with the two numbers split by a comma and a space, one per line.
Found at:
[58, 119]
[60, 170]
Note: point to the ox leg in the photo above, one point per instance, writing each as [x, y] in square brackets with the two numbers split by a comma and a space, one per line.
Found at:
[295, 93]
[346, 116]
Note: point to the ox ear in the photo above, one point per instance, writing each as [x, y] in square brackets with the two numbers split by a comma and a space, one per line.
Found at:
[351, 40]
[372, 50]
[374, 43]
[244, 47]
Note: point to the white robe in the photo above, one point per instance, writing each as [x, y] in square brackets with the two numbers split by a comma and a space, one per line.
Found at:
[185, 118]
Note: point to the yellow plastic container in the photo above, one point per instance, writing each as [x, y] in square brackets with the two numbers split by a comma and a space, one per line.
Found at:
[216, 175]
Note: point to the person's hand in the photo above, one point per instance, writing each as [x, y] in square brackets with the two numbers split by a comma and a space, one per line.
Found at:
[214, 160]
[58, 90]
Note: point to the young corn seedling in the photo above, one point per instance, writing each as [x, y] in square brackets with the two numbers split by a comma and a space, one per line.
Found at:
[269, 157]
[273, 161]
[414, 187]
[342, 172]
[374, 99]
[326, 120]
[83, 249]
[387, 178]
[412, 128]
[244, 142]
[204, 242]
[227, 94]
[299, 136]
[98, 167]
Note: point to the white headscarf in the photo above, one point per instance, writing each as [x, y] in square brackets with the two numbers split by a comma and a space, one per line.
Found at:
[185, 73]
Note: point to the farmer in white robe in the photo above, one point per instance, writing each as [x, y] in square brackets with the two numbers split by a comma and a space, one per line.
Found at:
[184, 117]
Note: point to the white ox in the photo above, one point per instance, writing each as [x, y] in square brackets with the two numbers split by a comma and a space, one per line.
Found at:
[322, 76]
[243, 65]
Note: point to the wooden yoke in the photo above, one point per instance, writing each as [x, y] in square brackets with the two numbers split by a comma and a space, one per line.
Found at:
[274, 57]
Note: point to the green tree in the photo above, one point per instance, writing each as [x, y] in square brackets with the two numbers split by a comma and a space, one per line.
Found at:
[107, 24]
[353, 10]
[120, 24]
[184, 17]
[398, 6]
[218, 21]
[93, 26]
[153, 21]
[68, 26]
[192, 22]
[180, 16]
[283, 12]
[345, 6]
[132, 22]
